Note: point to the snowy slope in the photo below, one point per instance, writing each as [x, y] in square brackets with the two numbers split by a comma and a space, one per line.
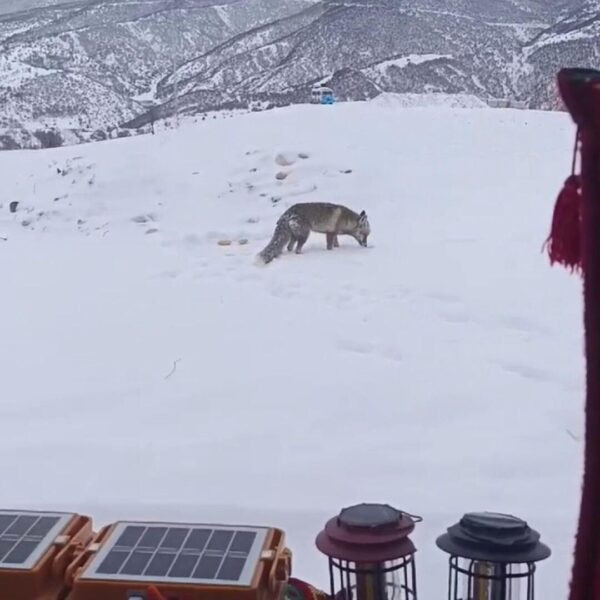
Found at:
[148, 372]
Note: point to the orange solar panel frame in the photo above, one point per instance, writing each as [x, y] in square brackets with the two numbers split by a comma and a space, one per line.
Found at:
[62, 569]
[268, 580]
[46, 579]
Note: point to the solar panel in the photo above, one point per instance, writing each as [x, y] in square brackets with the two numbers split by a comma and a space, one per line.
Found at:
[179, 553]
[25, 536]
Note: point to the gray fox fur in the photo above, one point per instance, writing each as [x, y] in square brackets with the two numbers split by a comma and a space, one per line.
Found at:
[295, 224]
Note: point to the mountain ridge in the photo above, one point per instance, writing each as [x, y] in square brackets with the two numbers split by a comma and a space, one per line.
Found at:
[88, 69]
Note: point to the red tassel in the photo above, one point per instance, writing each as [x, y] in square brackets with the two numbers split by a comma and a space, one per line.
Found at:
[564, 242]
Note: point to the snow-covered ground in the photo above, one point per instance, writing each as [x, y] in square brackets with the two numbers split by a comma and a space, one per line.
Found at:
[148, 372]
[432, 100]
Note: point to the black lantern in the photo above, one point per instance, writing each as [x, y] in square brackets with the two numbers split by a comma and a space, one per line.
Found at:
[370, 554]
[492, 557]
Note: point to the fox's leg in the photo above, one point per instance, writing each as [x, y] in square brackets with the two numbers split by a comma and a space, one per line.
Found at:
[301, 241]
[290, 246]
[330, 240]
[300, 229]
[336, 244]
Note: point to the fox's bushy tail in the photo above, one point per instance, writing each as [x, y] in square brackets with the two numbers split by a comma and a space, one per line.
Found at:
[281, 236]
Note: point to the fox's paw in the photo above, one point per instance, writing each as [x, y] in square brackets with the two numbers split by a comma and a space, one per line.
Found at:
[259, 261]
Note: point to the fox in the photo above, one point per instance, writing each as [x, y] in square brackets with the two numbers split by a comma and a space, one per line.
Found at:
[295, 224]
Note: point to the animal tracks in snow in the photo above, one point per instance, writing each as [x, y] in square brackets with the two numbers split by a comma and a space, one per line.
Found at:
[261, 179]
[279, 176]
[536, 374]
[369, 348]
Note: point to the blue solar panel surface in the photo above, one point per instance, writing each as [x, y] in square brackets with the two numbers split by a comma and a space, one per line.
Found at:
[26, 536]
[213, 554]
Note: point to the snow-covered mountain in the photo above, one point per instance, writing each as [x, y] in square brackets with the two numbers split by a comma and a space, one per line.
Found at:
[85, 67]
[574, 40]
[9, 6]
[88, 65]
[366, 46]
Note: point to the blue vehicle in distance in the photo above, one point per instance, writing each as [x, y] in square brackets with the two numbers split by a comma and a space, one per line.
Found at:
[322, 95]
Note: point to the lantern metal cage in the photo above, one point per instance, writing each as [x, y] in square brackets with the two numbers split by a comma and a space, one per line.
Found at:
[492, 557]
[393, 580]
[490, 581]
[370, 554]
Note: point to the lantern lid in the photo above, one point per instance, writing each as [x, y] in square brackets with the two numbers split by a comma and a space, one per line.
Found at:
[493, 537]
[368, 533]
[369, 516]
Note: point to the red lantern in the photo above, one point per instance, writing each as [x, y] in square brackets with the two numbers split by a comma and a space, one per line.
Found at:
[370, 554]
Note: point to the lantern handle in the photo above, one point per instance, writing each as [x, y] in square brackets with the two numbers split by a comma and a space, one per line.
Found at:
[415, 518]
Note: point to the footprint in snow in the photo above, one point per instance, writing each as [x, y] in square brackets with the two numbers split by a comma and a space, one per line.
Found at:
[442, 297]
[527, 372]
[524, 325]
[170, 274]
[141, 219]
[456, 317]
[356, 347]
[286, 159]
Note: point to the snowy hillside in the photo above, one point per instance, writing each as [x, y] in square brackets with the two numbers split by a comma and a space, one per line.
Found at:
[9, 6]
[149, 372]
[366, 47]
[573, 40]
[295, 52]
[86, 69]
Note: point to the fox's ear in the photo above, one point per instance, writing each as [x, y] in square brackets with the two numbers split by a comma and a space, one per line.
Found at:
[363, 214]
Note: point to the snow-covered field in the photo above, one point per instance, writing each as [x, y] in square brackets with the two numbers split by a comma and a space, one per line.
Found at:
[148, 372]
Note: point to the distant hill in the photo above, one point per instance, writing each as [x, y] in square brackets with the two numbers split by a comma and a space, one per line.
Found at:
[83, 69]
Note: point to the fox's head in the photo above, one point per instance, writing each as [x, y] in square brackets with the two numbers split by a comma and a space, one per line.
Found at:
[363, 229]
